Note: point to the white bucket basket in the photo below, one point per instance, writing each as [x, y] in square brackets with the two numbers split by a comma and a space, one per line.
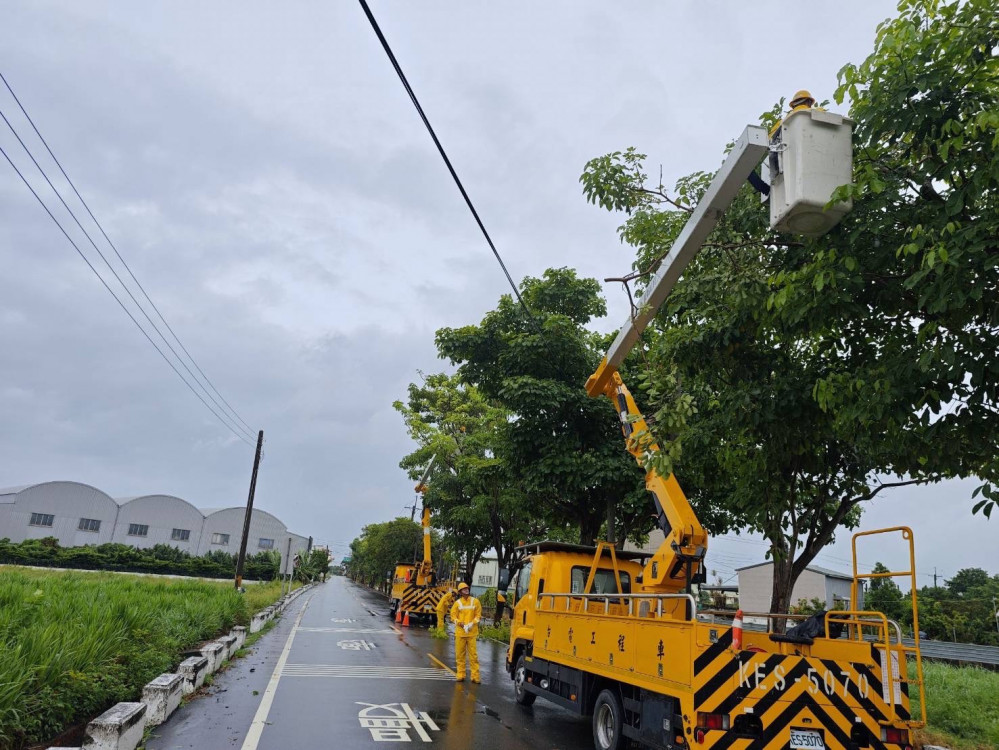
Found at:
[812, 155]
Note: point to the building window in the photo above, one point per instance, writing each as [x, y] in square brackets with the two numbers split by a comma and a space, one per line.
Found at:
[222, 539]
[266, 543]
[485, 580]
[181, 535]
[89, 524]
[41, 519]
[138, 529]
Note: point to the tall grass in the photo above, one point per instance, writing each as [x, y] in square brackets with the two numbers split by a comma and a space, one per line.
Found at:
[72, 644]
[962, 706]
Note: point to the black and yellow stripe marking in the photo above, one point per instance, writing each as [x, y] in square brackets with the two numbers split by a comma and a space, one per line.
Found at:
[718, 688]
[422, 599]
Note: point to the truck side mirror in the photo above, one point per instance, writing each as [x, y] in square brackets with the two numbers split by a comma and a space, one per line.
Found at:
[504, 579]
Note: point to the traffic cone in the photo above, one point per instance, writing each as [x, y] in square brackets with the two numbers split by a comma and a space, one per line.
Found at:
[398, 615]
[737, 631]
[405, 621]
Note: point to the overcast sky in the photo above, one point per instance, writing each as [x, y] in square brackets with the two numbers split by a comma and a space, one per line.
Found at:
[264, 174]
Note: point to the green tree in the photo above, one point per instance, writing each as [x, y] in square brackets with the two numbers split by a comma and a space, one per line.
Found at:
[884, 595]
[375, 553]
[565, 448]
[793, 380]
[477, 501]
[967, 579]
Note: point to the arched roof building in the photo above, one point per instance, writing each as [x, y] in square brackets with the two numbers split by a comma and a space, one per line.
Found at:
[148, 520]
[223, 528]
[76, 514]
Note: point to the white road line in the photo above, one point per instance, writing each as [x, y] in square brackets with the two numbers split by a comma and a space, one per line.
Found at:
[348, 630]
[260, 718]
[365, 672]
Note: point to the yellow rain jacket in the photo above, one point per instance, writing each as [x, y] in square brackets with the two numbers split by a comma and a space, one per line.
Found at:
[444, 606]
[465, 612]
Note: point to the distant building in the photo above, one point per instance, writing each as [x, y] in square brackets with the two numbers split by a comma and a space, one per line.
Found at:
[722, 597]
[485, 576]
[656, 539]
[77, 514]
[828, 586]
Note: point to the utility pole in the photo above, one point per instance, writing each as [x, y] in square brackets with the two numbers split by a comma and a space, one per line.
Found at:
[934, 576]
[288, 567]
[249, 512]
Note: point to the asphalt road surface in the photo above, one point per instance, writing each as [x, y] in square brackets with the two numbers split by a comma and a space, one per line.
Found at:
[338, 673]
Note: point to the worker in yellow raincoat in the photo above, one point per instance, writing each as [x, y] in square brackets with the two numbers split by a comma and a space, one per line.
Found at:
[465, 614]
[444, 606]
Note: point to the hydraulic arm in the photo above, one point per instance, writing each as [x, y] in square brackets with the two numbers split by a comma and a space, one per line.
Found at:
[679, 561]
[425, 570]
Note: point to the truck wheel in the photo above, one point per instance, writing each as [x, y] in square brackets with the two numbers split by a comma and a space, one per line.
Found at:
[608, 721]
[523, 697]
[395, 606]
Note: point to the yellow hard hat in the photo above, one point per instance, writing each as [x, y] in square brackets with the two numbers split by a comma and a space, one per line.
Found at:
[462, 585]
[801, 97]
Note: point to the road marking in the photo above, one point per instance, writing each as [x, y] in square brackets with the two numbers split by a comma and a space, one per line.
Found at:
[442, 665]
[388, 724]
[260, 718]
[348, 630]
[354, 671]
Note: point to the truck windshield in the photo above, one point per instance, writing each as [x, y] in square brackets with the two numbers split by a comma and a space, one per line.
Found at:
[523, 580]
[603, 582]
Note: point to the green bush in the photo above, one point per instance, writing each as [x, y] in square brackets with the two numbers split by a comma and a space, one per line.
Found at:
[161, 559]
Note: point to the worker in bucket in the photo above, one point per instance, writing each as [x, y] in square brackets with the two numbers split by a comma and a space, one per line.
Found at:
[465, 614]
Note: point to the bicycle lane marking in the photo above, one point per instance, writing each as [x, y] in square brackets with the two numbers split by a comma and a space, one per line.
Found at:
[260, 718]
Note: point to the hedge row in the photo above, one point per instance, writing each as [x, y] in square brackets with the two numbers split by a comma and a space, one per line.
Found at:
[162, 559]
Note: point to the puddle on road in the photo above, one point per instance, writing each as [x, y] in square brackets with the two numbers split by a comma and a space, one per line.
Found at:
[484, 709]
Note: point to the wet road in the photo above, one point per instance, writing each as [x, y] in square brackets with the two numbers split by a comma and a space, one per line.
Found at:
[337, 673]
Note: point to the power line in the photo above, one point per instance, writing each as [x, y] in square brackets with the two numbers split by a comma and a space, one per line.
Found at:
[116, 298]
[440, 148]
[226, 419]
[113, 247]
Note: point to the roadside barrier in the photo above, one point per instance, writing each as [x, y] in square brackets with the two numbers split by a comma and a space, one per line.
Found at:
[122, 725]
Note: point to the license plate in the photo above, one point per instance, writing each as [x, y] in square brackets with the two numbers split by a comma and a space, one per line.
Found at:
[806, 739]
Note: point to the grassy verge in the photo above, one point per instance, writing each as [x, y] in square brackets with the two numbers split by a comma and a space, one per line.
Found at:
[74, 643]
[501, 633]
[962, 707]
[260, 595]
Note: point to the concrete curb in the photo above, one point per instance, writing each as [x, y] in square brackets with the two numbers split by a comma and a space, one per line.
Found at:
[162, 697]
[121, 726]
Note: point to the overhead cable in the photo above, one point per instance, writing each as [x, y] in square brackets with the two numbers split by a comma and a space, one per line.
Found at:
[115, 273]
[231, 410]
[117, 299]
[440, 148]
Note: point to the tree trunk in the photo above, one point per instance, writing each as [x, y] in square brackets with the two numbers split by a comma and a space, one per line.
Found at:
[783, 585]
[611, 520]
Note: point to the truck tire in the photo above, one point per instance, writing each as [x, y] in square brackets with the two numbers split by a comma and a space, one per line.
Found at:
[520, 693]
[608, 722]
[395, 606]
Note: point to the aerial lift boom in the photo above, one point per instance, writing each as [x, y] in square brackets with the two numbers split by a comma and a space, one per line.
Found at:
[617, 634]
[680, 559]
[424, 572]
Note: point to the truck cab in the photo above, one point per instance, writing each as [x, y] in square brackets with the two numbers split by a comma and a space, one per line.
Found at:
[559, 568]
[403, 576]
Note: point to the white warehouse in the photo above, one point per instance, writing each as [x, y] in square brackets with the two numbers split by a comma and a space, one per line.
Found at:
[77, 514]
[828, 586]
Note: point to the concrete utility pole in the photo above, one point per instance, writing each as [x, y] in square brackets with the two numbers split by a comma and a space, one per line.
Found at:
[288, 567]
[249, 512]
